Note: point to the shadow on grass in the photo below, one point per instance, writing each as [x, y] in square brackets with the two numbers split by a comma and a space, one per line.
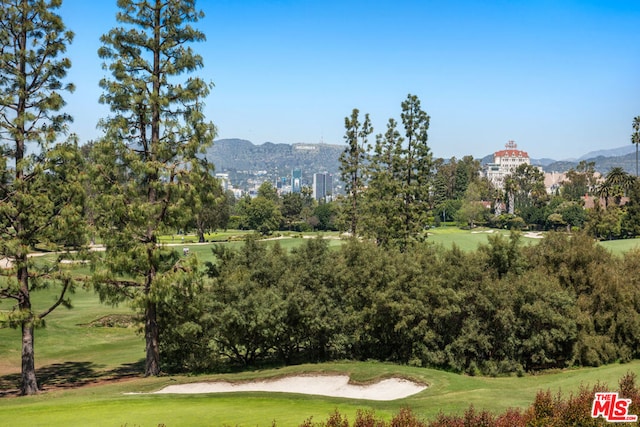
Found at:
[71, 375]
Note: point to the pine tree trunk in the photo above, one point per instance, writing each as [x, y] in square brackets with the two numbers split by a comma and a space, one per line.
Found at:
[29, 382]
[151, 334]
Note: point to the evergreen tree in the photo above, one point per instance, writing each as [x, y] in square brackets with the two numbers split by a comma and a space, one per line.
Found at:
[472, 209]
[149, 149]
[415, 169]
[400, 179]
[467, 170]
[581, 181]
[352, 166]
[635, 138]
[382, 203]
[443, 180]
[40, 180]
[291, 206]
[208, 199]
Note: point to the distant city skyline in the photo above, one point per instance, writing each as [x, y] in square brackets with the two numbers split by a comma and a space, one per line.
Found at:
[561, 78]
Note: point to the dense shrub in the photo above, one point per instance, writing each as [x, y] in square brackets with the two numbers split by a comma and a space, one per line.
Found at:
[505, 308]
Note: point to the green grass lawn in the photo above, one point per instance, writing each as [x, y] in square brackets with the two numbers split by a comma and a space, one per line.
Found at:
[108, 405]
[204, 253]
[468, 240]
[621, 246]
[71, 341]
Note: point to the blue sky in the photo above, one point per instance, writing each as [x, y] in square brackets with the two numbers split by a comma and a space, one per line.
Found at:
[561, 78]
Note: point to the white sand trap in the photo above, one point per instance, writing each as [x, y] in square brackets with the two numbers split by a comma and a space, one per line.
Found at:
[323, 385]
[533, 235]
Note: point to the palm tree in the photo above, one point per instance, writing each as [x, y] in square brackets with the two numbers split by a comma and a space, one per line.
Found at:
[635, 137]
[617, 183]
[510, 188]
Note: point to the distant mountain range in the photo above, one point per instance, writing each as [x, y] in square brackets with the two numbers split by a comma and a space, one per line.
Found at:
[239, 155]
[624, 157]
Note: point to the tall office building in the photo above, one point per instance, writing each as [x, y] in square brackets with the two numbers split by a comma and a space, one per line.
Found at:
[322, 186]
[296, 181]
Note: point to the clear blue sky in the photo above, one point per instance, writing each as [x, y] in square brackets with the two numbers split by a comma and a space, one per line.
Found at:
[561, 78]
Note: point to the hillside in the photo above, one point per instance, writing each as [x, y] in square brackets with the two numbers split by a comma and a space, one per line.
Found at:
[242, 155]
[603, 164]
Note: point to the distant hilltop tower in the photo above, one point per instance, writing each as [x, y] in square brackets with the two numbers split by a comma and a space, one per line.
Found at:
[505, 163]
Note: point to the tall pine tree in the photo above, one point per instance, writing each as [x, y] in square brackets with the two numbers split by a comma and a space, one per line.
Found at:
[41, 193]
[381, 202]
[400, 178]
[155, 130]
[353, 161]
[415, 170]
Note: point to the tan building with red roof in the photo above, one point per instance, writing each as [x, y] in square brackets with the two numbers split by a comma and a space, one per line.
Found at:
[505, 163]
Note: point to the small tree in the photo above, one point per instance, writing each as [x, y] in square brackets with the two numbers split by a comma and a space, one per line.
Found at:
[260, 214]
[472, 209]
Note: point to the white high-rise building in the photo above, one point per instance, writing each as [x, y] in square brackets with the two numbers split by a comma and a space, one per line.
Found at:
[296, 181]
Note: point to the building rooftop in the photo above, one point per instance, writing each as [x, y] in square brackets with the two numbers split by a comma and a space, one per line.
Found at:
[511, 150]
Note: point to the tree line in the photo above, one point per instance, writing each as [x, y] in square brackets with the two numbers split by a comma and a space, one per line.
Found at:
[454, 192]
[395, 190]
[502, 309]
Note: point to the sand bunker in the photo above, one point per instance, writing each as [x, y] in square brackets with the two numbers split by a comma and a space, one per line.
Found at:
[323, 385]
[533, 235]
